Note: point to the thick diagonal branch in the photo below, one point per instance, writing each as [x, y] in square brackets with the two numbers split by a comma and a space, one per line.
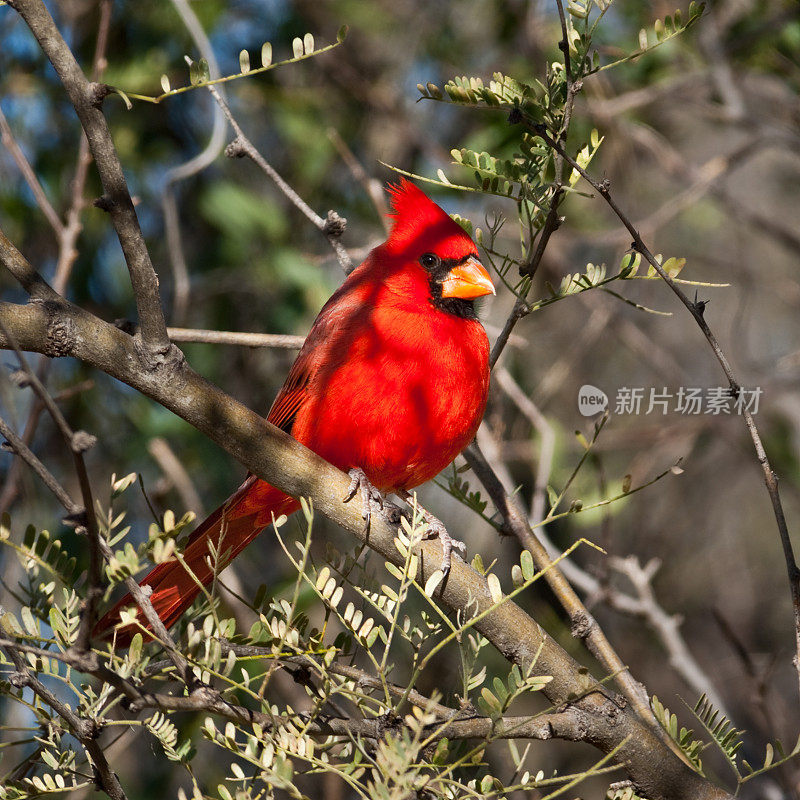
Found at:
[285, 463]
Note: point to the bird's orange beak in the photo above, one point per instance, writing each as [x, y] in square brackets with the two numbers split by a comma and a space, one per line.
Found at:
[467, 280]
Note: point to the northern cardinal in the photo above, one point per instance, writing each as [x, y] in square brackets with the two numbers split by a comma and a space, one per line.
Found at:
[391, 384]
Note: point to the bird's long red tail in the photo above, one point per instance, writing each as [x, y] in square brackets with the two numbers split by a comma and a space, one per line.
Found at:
[230, 529]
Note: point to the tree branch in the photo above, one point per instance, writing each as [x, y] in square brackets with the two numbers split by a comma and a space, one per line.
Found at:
[84, 730]
[285, 463]
[77, 443]
[24, 452]
[7, 138]
[86, 99]
[284, 341]
[451, 723]
[696, 310]
[332, 226]
[583, 624]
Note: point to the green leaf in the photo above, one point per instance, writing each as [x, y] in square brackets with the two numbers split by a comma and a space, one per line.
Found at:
[135, 649]
[691, 747]
[432, 584]
[434, 91]
[673, 266]
[494, 588]
[526, 562]
[492, 703]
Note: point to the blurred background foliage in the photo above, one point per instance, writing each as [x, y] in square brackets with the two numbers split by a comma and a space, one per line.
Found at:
[728, 86]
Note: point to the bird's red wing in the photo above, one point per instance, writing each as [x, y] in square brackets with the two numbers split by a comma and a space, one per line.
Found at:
[323, 343]
[291, 396]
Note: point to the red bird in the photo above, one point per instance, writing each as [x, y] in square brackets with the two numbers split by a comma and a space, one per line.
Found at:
[391, 384]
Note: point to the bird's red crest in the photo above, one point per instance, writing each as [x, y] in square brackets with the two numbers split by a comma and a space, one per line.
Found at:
[422, 225]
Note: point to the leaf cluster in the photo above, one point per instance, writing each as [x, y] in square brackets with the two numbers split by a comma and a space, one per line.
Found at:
[722, 734]
[358, 647]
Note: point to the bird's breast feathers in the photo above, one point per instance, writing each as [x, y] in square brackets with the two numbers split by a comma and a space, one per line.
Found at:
[398, 394]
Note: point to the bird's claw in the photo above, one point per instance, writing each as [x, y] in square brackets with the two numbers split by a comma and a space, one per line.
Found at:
[437, 530]
[369, 494]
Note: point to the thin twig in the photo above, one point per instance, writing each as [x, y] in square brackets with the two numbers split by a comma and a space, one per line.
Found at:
[697, 309]
[563, 45]
[332, 226]
[85, 730]
[552, 220]
[169, 205]
[372, 186]
[583, 625]
[563, 724]
[547, 450]
[7, 138]
[703, 179]
[759, 678]
[172, 467]
[78, 442]
[158, 630]
[765, 224]
[280, 340]
[564, 367]
[634, 99]
[360, 676]
[710, 39]
[24, 452]
[67, 250]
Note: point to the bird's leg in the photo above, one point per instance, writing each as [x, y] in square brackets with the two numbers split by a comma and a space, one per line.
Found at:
[436, 529]
[369, 494]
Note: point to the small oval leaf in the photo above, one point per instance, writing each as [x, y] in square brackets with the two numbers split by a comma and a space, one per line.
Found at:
[494, 588]
[432, 584]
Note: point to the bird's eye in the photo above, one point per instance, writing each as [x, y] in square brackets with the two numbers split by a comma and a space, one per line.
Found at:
[429, 261]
